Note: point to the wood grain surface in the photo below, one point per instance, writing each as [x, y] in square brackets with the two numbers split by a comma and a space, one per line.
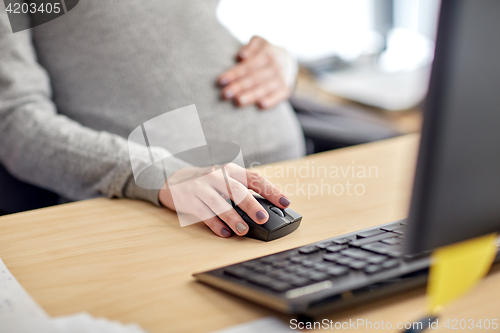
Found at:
[131, 261]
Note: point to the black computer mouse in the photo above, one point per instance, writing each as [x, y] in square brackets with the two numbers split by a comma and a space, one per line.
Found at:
[281, 222]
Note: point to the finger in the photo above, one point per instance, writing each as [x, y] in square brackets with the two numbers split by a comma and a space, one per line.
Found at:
[252, 95]
[245, 200]
[213, 222]
[224, 210]
[244, 68]
[274, 98]
[254, 46]
[218, 227]
[262, 186]
[249, 81]
[254, 209]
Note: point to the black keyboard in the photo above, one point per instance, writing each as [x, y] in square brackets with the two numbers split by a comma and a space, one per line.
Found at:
[326, 275]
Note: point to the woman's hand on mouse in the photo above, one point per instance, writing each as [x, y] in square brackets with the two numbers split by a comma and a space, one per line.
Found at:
[264, 75]
[203, 192]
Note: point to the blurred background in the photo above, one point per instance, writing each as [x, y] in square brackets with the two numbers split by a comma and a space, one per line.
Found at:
[364, 64]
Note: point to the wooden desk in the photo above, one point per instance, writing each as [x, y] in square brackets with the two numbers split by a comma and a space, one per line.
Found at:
[131, 261]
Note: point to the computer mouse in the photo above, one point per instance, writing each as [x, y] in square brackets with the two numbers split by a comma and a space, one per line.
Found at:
[281, 222]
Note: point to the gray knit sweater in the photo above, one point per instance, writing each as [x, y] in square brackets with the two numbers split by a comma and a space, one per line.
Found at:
[73, 89]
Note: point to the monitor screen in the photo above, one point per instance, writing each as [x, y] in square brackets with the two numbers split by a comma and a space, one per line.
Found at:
[456, 194]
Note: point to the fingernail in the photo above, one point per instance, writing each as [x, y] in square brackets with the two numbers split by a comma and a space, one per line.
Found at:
[228, 94]
[241, 227]
[242, 100]
[284, 201]
[260, 215]
[242, 54]
[223, 81]
[263, 105]
[225, 232]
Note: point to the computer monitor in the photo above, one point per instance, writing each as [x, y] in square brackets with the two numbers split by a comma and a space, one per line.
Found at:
[456, 194]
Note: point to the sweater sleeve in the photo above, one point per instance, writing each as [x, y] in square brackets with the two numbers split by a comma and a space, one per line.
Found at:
[42, 147]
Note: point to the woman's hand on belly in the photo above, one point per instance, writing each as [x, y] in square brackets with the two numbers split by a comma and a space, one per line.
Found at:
[264, 75]
[203, 192]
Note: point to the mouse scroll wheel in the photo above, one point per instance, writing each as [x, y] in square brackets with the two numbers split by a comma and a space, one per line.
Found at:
[277, 211]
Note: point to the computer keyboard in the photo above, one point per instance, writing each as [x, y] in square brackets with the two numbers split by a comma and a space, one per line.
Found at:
[328, 274]
[368, 251]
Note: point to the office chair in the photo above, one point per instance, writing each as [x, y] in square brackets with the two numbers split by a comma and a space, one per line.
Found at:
[328, 127]
[17, 196]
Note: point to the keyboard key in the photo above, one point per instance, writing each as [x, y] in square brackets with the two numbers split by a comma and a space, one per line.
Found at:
[337, 270]
[344, 261]
[391, 263]
[308, 249]
[237, 271]
[278, 274]
[373, 239]
[280, 264]
[264, 269]
[261, 280]
[287, 277]
[336, 248]
[251, 264]
[313, 275]
[299, 281]
[321, 266]
[266, 261]
[317, 276]
[393, 241]
[331, 257]
[279, 286]
[342, 241]
[358, 264]
[372, 269]
[356, 253]
[376, 259]
[302, 270]
[292, 268]
[298, 259]
[323, 245]
[380, 247]
[393, 227]
[308, 263]
[369, 233]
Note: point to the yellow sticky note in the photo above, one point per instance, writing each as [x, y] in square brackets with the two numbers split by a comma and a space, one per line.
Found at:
[456, 268]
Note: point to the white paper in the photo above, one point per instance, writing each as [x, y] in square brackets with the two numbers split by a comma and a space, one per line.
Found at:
[19, 313]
